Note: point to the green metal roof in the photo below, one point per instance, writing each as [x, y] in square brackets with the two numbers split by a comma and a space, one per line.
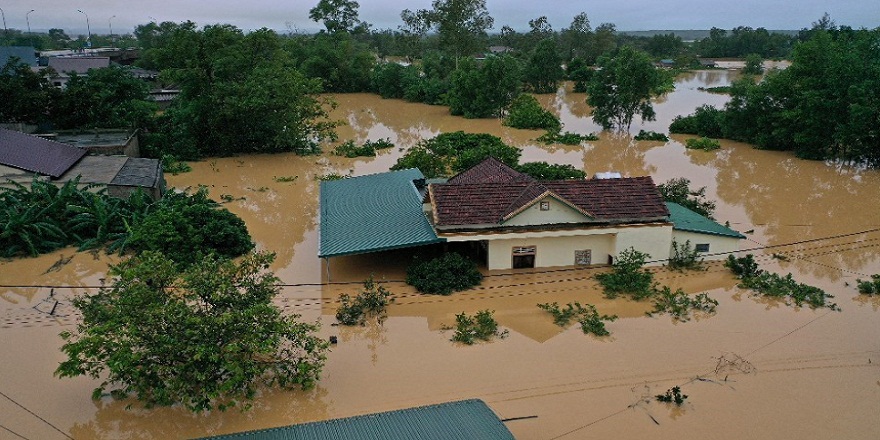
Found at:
[373, 213]
[684, 219]
[466, 419]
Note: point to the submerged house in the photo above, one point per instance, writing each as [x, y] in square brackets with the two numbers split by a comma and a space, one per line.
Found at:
[24, 157]
[517, 220]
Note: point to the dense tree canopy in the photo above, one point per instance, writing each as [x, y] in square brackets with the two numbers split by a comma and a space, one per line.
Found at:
[543, 71]
[460, 24]
[337, 15]
[623, 86]
[26, 93]
[208, 337]
[103, 98]
[484, 91]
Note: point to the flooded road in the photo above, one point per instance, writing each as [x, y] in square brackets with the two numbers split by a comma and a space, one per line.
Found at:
[756, 369]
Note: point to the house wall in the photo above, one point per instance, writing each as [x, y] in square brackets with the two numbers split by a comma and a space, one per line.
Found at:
[557, 248]
[717, 244]
[558, 213]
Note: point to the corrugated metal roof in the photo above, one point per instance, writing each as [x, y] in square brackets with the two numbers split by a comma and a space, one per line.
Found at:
[684, 219]
[25, 54]
[373, 213]
[33, 153]
[79, 65]
[466, 419]
[138, 171]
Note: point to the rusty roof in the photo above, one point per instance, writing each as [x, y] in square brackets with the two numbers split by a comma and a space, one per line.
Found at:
[35, 154]
[470, 201]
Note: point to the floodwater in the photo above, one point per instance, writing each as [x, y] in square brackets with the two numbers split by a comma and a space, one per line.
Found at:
[756, 369]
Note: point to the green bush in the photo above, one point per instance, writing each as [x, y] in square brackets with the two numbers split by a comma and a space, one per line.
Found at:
[680, 305]
[672, 395]
[702, 143]
[455, 152]
[566, 138]
[651, 136]
[171, 165]
[587, 317]
[678, 190]
[627, 277]
[368, 149]
[525, 112]
[706, 121]
[546, 171]
[443, 275]
[685, 257]
[371, 301]
[772, 285]
[870, 287]
[480, 327]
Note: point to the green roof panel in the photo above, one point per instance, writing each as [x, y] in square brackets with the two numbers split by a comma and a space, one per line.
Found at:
[373, 213]
[466, 419]
[684, 219]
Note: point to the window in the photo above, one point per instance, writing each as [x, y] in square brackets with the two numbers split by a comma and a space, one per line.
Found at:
[524, 257]
[583, 257]
[704, 247]
[545, 206]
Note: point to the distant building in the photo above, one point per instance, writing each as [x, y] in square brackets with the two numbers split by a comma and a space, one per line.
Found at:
[24, 157]
[65, 66]
[25, 54]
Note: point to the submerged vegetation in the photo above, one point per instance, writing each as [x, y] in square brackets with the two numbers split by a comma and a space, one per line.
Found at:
[651, 136]
[443, 275]
[628, 277]
[672, 395]
[772, 285]
[869, 287]
[702, 143]
[370, 302]
[367, 149]
[680, 305]
[685, 257]
[587, 316]
[525, 112]
[479, 327]
[566, 138]
[678, 190]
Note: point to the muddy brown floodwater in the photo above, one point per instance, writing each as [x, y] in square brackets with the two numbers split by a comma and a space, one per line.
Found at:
[757, 369]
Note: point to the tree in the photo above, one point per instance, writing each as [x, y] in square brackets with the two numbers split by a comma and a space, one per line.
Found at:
[461, 24]
[623, 86]
[526, 113]
[484, 91]
[104, 98]
[678, 190]
[26, 93]
[576, 38]
[454, 152]
[544, 68]
[206, 338]
[753, 65]
[337, 15]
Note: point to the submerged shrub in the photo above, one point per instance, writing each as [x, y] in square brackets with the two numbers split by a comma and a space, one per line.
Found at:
[444, 275]
[367, 149]
[706, 121]
[681, 306]
[566, 138]
[685, 257]
[628, 277]
[525, 112]
[772, 285]
[371, 301]
[672, 395]
[870, 287]
[651, 136]
[587, 317]
[702, 143]
[480, 327]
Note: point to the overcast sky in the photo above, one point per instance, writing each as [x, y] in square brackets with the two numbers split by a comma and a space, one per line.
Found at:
[284, 14]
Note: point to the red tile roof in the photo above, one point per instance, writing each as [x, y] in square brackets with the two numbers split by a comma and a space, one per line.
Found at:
[490, 192]
[35, 154]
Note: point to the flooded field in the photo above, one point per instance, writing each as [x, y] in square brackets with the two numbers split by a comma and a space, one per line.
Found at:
[757, 369]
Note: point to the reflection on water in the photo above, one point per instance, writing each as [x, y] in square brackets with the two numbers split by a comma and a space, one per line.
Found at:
[566, 378]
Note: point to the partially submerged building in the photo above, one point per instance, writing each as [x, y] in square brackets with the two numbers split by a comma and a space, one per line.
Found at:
[24, 157]
[517, 220]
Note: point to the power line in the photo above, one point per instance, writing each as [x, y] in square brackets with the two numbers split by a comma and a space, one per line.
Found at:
[35, 415]
[14, 433]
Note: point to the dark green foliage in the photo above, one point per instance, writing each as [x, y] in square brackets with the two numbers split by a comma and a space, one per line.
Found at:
[705, 121]
[580, 73]
[869, 287]
[772, 285]
[392, 80]
[525, 112]
[685, 257]
[678, 190]
[623, 86]
[206, 338]
[587, 317]
[681, 306]
[172, 165]
[483, 91]
[184, 227]
[341, 63]
[754, 65]
[103, 98]
[443, 275]
[26, 94]
[546, 171]
[370, 302]
[337, 15]
[566, 138]
[543, 71]
[628, 277]
[744, 40]
[702, 143]
[651, 136]
[368, 149]
[455, 152]
[721, 90]
[480, 327]
[672, 395]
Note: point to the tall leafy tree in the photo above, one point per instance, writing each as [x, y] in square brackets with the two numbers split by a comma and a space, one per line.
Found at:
[622, 88]
[337, 15]
[208, 337]
[26, 94]
[575, 39]
[544, 68]
[484, 91]
[461, 24]
[103, 98]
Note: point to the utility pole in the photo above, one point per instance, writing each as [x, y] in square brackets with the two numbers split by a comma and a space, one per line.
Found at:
[5, 30]
[112, 40]
[28, 20]
[88, 29]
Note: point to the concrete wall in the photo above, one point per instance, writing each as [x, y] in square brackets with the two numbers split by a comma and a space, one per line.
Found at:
[656, 241]
[717, 244]
[558, 213]
[551, 251]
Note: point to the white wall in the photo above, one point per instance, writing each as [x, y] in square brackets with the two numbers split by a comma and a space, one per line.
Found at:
[558, 213]
[717, 244]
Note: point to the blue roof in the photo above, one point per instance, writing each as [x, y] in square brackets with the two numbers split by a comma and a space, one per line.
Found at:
[25, 54]
[684, 219]
[373, 213]
[466, 419]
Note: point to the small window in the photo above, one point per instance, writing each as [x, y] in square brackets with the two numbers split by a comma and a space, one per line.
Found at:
[545, 206]
[702, 247]
[583, 257]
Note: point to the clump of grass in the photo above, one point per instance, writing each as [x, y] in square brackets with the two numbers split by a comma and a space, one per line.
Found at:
[587, 317]
[651, 136]
[685, 257]
[566, 138]
[371, 301]
[672, 395]
[170, 164]
[367, 149]
[480, 327]
[285, 179]
[869, 287]
[702, 143]
[681, 306]
[772, 285]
